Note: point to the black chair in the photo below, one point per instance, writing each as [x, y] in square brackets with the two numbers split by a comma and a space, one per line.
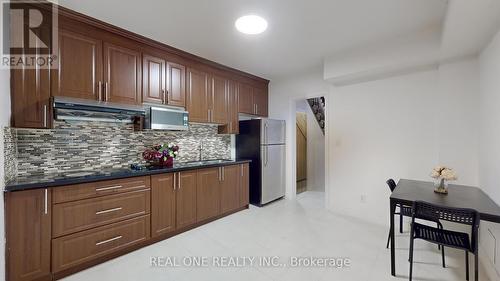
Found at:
[404, 211]
[443, 237]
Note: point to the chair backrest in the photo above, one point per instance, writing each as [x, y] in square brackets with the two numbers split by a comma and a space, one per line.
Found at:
[392, 184]
[428, 211]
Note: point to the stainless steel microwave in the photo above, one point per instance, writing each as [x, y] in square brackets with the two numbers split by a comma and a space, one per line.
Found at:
[166, 118]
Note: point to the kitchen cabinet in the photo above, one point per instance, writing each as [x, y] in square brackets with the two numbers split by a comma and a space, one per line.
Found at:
[220, 100]
[79, 73]
[186, 198]
[260, 97]
[176, 84]
[153, 80]
[198, 96]
[28, 232]
[230, 188]
[252, 100]
[122, 74]
[208, 194]
[90, 68]
[232, 125]
[244, 184]
[163, 82]
[163, 205]
[245, 99]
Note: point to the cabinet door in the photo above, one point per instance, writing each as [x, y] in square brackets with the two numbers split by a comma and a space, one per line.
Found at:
[245, 99]
[122, 70]
[80, 67]
[162, 204]
[28, 234]
[153, 80]
[230, 188]
[198, 101]
[220, 97]
[176, 80]
[261, 102]
[186, 194]
[208, 194]
[232, 125]
[244, 185]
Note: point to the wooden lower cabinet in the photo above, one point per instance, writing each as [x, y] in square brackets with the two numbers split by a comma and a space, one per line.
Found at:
[55, 232]
[208, 194]
[28, 233]
[229, 188]
[244, 184]
[186, 198]
[163, 204]
[73, 250]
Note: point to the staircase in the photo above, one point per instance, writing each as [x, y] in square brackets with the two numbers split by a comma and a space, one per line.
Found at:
[318, 108]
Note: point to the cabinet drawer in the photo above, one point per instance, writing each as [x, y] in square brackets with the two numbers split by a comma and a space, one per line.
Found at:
[96, 189]
[80, 215]
[72, 250]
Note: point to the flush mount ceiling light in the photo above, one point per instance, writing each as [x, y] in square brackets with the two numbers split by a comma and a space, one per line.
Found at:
[251, 24]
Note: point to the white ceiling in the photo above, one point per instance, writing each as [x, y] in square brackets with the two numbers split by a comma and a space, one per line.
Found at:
[300, 33]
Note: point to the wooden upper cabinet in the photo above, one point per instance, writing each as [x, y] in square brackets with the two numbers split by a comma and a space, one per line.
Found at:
[245, 99]
[208, 194]
[230, 188]
[153, 80]
[162, 204]
[198, 101]
[28, 234]
[80, 67]
[30, 98]
[232, 124]
[220, 105]
[186, 198]
[260, 97]
[122, 74]
[176, 80]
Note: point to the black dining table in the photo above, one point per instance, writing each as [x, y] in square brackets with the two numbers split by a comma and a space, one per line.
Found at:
[459, 196]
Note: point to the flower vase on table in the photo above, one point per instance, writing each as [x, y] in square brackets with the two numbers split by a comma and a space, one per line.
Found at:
[442, 175]
[161, 155]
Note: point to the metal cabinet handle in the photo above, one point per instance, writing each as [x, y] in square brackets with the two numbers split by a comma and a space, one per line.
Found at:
[99, 91]
[45, 116]
[109, 240]
[108, 211]
[256, 109]
[175, 182]
[179, 186]
[45, 204]
[241, 169]
[219, 174]
[108, 188]
[106, 91]
[164, 96]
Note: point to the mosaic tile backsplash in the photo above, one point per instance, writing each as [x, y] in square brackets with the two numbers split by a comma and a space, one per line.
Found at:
[78, 146]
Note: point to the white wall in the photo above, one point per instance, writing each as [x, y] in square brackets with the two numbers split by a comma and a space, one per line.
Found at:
[400, 127]
[4, 121]
[315, 154]
[283, 95]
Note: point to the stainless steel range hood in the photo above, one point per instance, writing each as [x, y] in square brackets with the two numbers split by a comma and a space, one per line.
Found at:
[71, 109]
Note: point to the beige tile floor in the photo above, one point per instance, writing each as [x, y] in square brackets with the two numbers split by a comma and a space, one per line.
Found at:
[301, 228]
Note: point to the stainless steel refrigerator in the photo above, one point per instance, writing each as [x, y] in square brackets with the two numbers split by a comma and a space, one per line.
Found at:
[263, 141]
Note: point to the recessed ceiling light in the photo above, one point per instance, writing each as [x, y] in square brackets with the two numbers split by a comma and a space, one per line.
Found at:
[251, 24]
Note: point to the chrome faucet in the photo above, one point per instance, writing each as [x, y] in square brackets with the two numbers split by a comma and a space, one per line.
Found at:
[200, 148]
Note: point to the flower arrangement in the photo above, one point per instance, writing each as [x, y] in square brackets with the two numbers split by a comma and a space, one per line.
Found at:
[442, 174]
[162, 154]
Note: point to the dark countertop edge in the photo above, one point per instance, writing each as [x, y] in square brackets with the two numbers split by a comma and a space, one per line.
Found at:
[126, 174]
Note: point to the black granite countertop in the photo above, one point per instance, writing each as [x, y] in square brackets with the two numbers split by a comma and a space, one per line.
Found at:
[77, 177]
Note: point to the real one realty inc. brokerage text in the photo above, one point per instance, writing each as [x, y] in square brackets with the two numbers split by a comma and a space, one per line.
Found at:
[248, 261]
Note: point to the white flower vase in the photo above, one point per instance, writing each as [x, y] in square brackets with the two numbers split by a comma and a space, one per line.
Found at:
[441, 186]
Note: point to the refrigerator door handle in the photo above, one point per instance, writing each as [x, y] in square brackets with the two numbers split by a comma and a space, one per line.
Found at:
[266, 156]
[265, 133]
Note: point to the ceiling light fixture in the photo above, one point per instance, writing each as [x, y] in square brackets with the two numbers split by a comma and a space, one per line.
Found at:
[251, 24]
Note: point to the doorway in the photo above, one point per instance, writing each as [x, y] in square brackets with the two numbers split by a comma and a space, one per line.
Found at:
[310, 144]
